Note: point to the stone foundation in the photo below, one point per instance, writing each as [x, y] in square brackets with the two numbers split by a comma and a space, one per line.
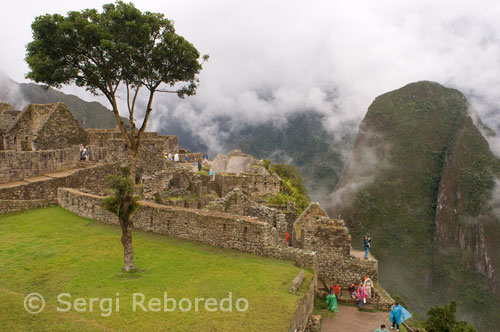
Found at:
[8, 206]
[17, 165]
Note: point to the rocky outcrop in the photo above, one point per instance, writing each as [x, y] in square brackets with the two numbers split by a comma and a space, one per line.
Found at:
[420, 183]
[238, 162]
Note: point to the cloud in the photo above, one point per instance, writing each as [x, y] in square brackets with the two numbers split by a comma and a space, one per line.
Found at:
[11, 93]
[271, 59]
[370, 158]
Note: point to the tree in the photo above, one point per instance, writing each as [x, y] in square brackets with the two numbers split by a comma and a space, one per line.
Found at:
[124, 203]
[118, 48]
[442, 319]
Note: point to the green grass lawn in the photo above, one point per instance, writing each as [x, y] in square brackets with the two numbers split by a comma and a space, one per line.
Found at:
[51, 251]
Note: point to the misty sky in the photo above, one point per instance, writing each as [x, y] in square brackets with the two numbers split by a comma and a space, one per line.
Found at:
[270, 58]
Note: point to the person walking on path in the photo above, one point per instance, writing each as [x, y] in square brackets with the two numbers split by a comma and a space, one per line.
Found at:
[199, 165]
[366, 245]
[398, 315]
[176, 157]
[331, 300]
[361, 295]
[381, 329]
[212, 175]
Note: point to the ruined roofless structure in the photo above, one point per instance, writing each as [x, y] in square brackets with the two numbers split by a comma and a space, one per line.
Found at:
[40, 127]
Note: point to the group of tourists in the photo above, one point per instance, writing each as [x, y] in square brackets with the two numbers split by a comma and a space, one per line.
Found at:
[174, 157]
[363, 292]
[84, 152]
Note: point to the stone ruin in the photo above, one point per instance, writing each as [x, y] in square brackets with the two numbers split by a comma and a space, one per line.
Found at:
[39, 166]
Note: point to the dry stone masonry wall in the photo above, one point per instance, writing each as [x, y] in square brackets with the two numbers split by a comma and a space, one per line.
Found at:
[218, 229]
[15, 166]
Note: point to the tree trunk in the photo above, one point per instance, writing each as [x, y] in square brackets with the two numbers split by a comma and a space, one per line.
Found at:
[128, 249]
[132, 159]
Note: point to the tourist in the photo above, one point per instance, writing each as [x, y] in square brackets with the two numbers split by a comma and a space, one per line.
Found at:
[366, 245]
[368, 284]
[331, 300]
[398, 315]
[176, 157]
[336, 289]
[381, 329]
[186, 159]
[85, 154]
[169, 156]
[199, 165]
[81, 151]
[352, 292]
[361, 295]
[205, 156]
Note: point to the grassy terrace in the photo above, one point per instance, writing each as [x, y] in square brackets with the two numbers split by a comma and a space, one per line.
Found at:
[52, 251]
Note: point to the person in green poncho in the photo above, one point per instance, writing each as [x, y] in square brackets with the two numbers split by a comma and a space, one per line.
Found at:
[331, 300]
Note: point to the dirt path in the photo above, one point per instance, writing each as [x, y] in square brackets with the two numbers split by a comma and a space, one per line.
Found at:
[350, 319]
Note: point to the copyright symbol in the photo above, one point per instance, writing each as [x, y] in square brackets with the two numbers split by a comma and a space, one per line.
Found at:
[34, 303]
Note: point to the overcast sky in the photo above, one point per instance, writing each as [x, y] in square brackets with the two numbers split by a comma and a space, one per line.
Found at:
[269, 58]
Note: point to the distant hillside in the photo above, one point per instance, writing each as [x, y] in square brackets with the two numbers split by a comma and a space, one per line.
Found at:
[302, 141]
[89, 114]
[420, 182]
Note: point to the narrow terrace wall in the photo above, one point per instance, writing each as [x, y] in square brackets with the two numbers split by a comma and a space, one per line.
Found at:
[304, 308]
[217, 229]
[90, 179]
[17, 165]
[8, 206]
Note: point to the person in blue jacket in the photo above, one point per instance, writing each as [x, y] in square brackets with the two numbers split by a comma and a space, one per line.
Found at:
[398, 315]
[366, 245]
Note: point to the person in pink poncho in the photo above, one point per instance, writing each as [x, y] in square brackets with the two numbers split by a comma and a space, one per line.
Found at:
[362, 295]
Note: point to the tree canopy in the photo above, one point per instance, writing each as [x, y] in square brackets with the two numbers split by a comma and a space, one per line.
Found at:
[118, 47]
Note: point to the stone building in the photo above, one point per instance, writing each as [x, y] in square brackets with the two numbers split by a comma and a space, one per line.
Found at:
[40, 127]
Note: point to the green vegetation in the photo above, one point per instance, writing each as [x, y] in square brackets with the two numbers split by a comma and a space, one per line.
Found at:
[303, 142]
[426, 147]
[50, 251]
[293, 188]
[443, 319]
[124, 203]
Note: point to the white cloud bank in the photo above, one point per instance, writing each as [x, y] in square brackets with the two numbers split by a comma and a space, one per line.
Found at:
[272, 58]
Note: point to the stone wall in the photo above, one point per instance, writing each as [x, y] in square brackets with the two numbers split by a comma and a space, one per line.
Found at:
[256, 186]
[218, 229]
[331, 241]
[15, 166]
[61, 130]
[108, 145]
[237, 202]
[304, 308]
[8, 206]
[91, 179]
